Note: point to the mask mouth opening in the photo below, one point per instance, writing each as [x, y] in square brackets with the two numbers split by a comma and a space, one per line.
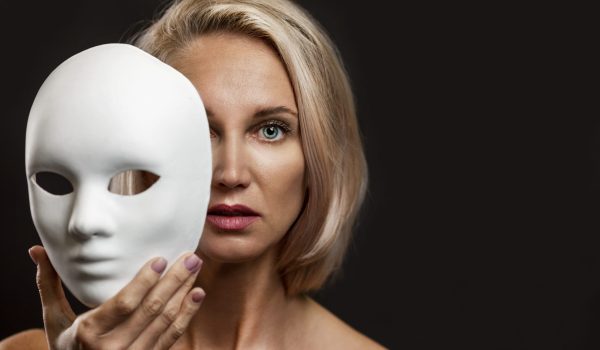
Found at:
[132, 182]
[52, 183]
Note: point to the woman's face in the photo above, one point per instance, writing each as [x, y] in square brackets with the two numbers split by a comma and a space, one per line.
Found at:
[258, 161]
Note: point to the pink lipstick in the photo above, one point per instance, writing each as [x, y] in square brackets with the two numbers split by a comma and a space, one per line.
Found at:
[231, 218]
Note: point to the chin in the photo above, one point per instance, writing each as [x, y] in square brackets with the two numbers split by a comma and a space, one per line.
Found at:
[93, 293]
[232, 248]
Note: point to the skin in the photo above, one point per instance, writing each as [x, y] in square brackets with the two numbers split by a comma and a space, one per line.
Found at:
[238, 79]
[245, 305]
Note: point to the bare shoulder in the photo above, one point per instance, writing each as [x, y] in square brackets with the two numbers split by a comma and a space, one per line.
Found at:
[32, 339]
[332, 333]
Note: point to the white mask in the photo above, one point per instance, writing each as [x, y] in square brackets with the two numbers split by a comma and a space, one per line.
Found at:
[106, 110]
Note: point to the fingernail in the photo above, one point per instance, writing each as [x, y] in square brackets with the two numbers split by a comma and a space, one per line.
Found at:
[192, 263]
[159, 265]
[198, 296]
[32, 257]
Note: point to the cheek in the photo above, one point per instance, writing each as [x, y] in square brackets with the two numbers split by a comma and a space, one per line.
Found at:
[167, 219]
[281, 176]
[50, 215]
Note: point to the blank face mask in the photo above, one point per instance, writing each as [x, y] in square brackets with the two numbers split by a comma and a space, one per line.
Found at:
[105, 111]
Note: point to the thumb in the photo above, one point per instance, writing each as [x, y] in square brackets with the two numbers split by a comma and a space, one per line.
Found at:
[58, 314]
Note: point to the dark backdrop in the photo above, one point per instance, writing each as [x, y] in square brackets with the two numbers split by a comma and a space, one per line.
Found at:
[476, 232]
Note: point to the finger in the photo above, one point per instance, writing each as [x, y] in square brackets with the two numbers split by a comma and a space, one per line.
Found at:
[181, 275]
[120, 307]
[189, 308]
[58, 314]
[150, 334]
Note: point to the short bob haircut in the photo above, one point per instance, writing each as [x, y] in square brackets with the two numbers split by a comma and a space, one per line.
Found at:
[336, 170]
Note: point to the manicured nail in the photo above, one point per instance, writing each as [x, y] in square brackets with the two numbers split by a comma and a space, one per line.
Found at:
[159, 265]
[198, 296]
[31, 256]
[192, 263]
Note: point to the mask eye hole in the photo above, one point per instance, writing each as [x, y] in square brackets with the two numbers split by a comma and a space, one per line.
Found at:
[53, 183]
[132, 182]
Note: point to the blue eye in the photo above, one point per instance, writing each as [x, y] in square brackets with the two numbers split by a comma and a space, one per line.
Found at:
[274, 131]
[270, 132]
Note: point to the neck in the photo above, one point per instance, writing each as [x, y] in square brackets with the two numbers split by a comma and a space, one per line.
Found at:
[245, 305]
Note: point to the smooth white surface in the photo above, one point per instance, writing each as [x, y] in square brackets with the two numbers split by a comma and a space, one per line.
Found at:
[105, 110]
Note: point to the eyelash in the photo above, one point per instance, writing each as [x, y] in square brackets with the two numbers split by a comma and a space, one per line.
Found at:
[283, 126]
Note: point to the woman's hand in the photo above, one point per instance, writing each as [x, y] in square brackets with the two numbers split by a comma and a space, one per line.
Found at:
[148, 313]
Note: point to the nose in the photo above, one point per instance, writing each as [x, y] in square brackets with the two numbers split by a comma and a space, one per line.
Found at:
[230, 164]
[89, 217]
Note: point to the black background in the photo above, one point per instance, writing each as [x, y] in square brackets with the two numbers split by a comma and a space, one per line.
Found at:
[477, 231]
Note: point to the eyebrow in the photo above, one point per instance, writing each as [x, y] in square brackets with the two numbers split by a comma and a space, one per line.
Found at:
[265, 112]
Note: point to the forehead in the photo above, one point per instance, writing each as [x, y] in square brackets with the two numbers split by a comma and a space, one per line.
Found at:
[233, 70]
[114, 101]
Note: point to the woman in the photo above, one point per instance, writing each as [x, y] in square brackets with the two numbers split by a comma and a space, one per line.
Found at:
[288, 178]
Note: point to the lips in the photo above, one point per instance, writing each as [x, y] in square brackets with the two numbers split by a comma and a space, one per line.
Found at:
[94, 267]
[231, 218]
[90, 259]
[91, 253]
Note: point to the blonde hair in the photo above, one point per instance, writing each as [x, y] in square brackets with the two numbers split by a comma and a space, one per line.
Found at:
[336, 170]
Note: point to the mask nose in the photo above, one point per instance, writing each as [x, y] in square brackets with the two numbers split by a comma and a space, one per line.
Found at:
[89, 216]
